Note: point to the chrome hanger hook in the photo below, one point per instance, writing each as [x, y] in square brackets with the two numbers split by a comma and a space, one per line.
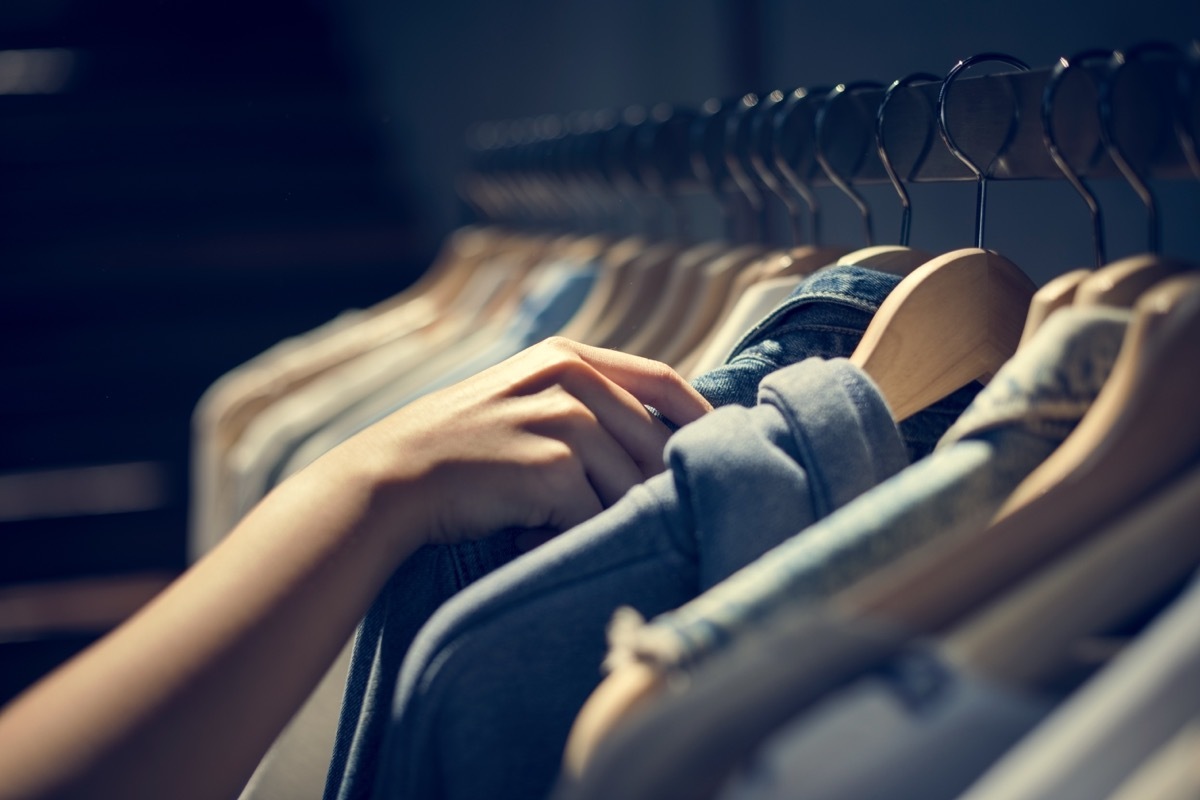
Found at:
[886, 159]
[838, 180]
[981, 175]
[780, 131]
[1117, 64]
[763, 161]
[1049, 93]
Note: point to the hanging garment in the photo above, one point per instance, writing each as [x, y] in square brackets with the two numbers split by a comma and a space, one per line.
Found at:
[920, 728]
[822, 285]
[1114, 723]
[1013, 424]
[553, 297]
[740, 480]
[1011, 427]
[826, 314]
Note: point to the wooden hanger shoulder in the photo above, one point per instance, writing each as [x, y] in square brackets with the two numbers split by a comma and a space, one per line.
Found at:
[1026, 638]
[1055, 294]
[952, 320]
[1121, 283]
[713, 292]
[893, 258]
[617, 264]
[1144, 420]
[1141, 430]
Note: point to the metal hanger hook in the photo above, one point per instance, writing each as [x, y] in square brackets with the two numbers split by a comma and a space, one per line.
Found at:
[886, 159]
[980, 174]
[1118, 62]
[791, 175]
[838, 180]
[1049, 93]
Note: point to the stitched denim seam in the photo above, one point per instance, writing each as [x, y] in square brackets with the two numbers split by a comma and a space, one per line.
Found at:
[808, 299]
[740, 351]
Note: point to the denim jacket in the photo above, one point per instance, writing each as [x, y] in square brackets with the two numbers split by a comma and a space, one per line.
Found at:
[824, 317]
[1027, 410]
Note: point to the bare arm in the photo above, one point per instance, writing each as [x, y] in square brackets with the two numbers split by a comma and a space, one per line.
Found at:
[183, 699]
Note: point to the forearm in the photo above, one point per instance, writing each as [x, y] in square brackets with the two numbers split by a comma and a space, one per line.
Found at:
[182, 700]
[186, 696]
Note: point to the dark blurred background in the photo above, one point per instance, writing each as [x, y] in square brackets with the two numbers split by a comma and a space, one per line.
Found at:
[185, 183]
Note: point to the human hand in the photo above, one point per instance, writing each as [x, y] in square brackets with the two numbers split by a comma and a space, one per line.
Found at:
[546, 440]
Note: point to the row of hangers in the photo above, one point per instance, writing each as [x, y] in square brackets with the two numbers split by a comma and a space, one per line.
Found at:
[745, 150]
[1106, 525]
[954, 317]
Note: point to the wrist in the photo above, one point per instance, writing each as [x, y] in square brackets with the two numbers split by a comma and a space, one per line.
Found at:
[387, 500]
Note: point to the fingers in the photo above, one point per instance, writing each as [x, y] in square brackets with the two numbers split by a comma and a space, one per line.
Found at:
[607, 463]
[651, 382]
[547, 439]
[622, 416]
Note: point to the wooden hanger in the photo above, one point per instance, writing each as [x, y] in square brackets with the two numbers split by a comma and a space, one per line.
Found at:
[1062, 291]
[894, 258]
[1133, 421]
[1122, 282]
[1055, 294]
[1142, 428]
[1028, 638]
[712, 290]
[954, 319]
[898, 259]
[795, 264]
[615, 266]
[684, 279]
[636, 300]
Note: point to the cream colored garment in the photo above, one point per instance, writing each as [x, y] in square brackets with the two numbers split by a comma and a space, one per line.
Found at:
[216, 404]
[337, 430]
[267, 438]
[1173, 773]
[233, 402]
[754, 304]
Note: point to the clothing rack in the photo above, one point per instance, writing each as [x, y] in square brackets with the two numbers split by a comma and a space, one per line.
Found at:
[1133, 114]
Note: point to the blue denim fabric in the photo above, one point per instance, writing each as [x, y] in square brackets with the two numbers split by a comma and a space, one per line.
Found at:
[1026, 411]
[495, 678]
[829, 308]
[825, 316]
